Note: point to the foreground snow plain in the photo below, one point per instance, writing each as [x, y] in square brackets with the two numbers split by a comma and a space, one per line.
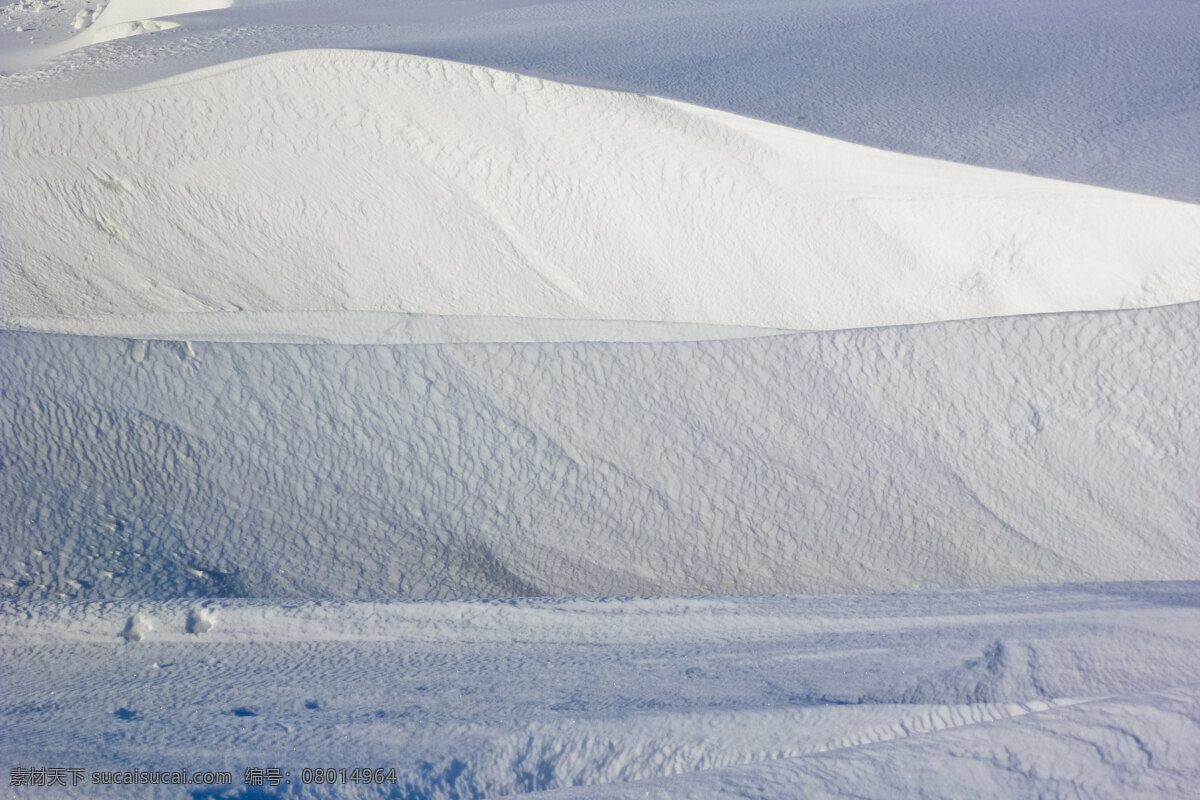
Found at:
[1080, 691]
[206, 524]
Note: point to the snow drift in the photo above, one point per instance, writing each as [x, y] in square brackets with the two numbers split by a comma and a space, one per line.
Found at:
[1102, 92]
[116, 19]
[336, 180]
[998, 451]
[90, 23]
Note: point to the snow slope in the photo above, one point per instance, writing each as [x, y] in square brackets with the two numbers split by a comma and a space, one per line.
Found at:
[998, 451]
[334, 180]
[1104, 92]
[1057, 691]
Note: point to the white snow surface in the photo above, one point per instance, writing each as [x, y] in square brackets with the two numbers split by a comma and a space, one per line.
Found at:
[342, 180]
[998, 451]
[327, 359]
[1050, 692]
[1105, 92]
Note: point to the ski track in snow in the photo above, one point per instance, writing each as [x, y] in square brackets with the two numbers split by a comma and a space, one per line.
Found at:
[1006, 450]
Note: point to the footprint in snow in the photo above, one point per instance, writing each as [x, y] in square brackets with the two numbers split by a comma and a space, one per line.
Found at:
[201, 620]
[137, 628]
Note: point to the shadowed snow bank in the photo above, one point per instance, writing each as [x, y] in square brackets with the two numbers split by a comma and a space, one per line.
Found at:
[1007, 450]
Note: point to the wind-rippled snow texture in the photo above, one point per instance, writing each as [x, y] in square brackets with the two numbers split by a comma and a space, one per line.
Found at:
[1051, 691]
[331, 180]
[997, 451]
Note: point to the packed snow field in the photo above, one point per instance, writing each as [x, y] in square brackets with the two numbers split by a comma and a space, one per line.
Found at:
[1085, 691]
[351, 355]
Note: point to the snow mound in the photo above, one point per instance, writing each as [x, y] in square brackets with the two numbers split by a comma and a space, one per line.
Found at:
[1009, 450]
[340, 180]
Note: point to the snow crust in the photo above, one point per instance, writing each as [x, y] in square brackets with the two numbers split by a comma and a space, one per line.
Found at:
[331, 180]
[1055, 691]
[997, 451]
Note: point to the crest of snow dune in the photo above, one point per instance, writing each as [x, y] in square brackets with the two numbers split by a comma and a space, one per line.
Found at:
[340, 180]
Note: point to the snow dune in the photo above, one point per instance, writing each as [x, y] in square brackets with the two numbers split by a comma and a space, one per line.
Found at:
[321, 181]
[999, 451]
[1097, 91]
